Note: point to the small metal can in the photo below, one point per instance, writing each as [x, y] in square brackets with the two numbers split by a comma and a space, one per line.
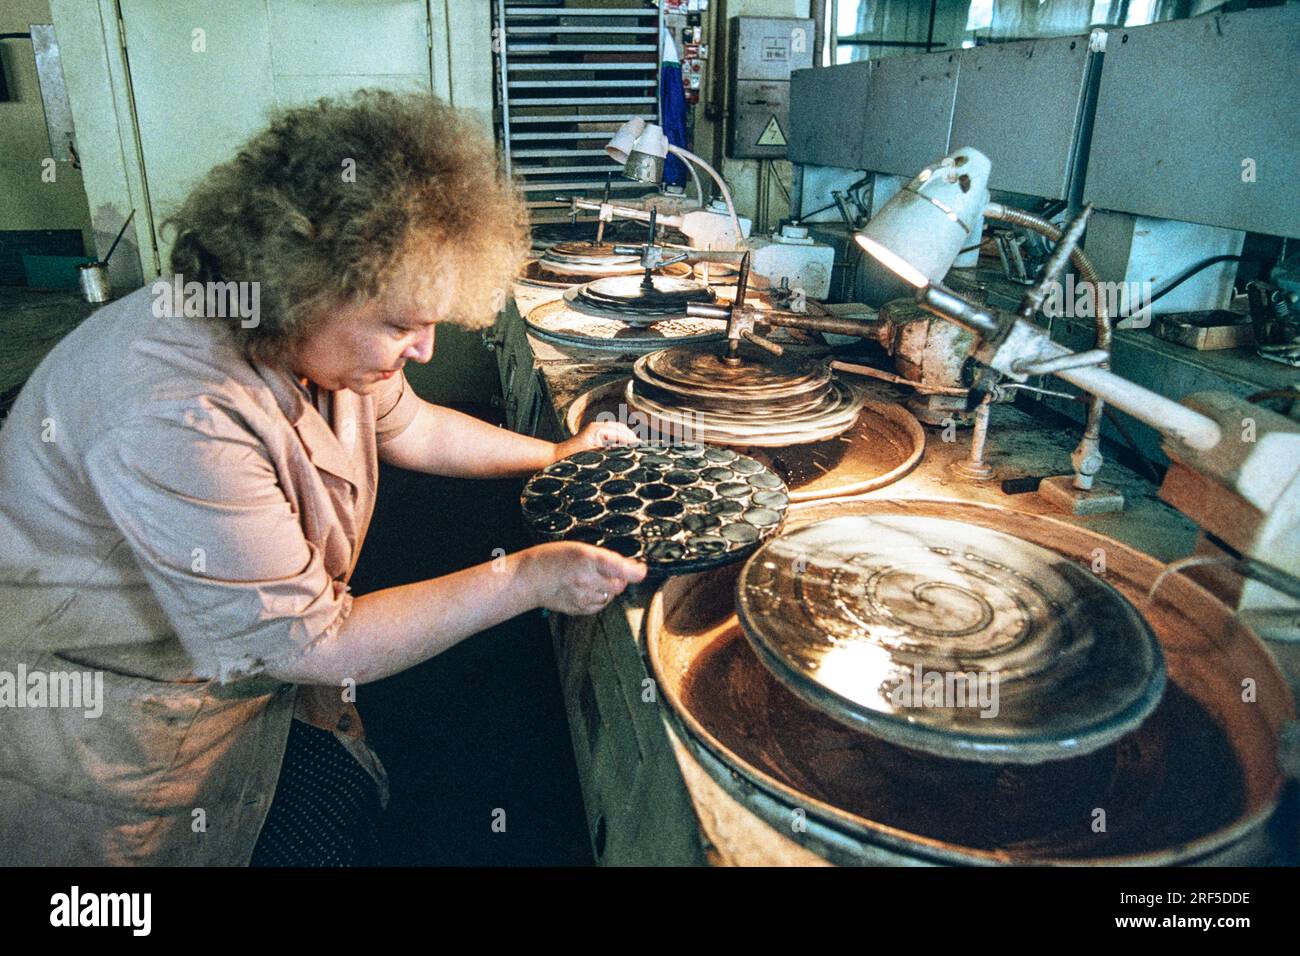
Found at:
[95, 286]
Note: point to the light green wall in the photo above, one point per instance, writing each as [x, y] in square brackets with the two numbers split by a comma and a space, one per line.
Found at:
[26, 201]
[206, 76]
[95, 72]
[177, 113]
[467, 55]
[147, 134]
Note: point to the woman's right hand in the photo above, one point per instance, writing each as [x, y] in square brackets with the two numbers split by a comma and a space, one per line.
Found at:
[578, 579]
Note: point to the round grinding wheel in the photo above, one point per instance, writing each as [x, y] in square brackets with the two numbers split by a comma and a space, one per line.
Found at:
[702, 373]
[762, 425]
[627, 299]
[760, 401]
[567, 264]
[679, 508]
[558, 322]
[949, 638]
[588, 258]
[883, 446]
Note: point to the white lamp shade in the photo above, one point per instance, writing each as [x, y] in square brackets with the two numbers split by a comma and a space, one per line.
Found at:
[643, 159]
[644, 167]
[919, 232]
[652, 141]
[622, 142]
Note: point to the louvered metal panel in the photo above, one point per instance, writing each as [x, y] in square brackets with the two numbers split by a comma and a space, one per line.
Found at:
[567, 77]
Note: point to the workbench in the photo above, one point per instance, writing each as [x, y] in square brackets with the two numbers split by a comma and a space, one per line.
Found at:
[649, 797]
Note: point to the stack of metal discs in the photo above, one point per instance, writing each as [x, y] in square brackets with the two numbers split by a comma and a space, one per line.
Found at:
[630, 300]
[763, 400]
[557, 322]
[586, 260]
[680, 508]
[949, 638]
[567, 264]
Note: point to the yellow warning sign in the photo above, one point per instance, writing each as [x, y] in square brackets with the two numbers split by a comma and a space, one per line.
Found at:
[772, 134]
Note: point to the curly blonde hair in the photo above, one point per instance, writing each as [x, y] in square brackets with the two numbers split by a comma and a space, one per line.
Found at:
[333, 202]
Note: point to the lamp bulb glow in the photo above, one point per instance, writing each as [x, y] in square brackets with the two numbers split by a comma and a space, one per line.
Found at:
[895, 263]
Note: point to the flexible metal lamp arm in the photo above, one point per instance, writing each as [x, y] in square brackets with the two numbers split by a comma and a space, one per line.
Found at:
[1007, 341]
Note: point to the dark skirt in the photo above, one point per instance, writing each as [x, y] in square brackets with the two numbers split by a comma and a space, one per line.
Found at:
[326, 807]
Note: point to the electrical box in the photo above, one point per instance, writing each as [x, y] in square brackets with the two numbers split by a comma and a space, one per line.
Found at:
[764, 52]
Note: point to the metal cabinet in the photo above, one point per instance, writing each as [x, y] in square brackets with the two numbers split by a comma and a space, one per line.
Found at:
[638, 809]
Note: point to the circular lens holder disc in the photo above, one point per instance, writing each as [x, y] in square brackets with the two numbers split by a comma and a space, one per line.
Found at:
[950, 638]
[679, 508]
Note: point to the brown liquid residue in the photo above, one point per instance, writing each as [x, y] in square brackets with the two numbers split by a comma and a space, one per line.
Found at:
[800, 465]
[1173, 780]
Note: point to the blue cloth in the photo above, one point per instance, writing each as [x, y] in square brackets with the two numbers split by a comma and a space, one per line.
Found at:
[326, 808]
[672, 100]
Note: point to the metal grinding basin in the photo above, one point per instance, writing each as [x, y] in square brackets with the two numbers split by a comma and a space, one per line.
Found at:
[1194, 782]
[949, 638]
[883, 445]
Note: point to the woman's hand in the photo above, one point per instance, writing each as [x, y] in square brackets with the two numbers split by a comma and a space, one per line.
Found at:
[597, 435]
[577, 579]
[396, 628]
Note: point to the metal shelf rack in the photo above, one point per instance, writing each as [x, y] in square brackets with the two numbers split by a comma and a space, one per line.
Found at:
[568, 75]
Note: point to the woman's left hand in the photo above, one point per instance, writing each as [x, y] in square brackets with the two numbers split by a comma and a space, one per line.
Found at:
[597, 435]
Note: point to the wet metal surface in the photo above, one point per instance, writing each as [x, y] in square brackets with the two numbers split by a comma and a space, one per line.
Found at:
[1175, 779]
[950, 638]
[1198, 777]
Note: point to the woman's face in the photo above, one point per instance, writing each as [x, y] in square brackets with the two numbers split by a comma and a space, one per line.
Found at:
[358, 347]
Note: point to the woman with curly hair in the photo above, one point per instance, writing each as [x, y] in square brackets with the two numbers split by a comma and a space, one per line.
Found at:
[184, 491]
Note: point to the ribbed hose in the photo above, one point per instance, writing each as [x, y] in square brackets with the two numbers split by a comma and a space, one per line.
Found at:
[1080, 261]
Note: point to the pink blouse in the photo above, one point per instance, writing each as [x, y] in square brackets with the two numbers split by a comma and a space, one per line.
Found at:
[173, 517]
